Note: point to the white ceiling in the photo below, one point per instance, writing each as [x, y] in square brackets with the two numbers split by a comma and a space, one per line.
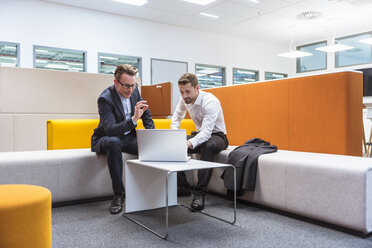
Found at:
[273, 21]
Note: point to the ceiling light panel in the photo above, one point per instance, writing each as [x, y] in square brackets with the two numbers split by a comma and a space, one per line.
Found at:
[237, 10]
[295, 54]
[200, 2]
[208, 15]
[132, 2]
[178, 7]
[222, 17]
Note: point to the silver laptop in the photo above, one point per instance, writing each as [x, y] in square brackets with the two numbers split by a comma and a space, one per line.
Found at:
[166, 145]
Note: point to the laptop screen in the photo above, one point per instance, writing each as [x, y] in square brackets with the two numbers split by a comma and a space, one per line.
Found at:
[162, 145]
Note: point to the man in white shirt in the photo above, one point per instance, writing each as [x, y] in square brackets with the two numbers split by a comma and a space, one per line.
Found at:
[209, 139]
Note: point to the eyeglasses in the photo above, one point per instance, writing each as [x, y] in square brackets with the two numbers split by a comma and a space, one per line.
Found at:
[127, 86]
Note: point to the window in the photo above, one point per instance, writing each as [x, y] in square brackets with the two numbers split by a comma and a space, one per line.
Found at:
[210, 76]
[318, 61]
[242, 76]
[9, 54]
[274, 75]
[107, 62]
[359, 54]
[59, 59]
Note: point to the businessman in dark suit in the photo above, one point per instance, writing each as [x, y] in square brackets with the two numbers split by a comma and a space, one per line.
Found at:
[120, 106]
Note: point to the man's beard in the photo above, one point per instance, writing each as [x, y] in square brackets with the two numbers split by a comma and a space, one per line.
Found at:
[188, 100]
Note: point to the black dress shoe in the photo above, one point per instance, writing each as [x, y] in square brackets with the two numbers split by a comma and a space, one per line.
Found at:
[117, 203]
[182, 191]
[198, 202]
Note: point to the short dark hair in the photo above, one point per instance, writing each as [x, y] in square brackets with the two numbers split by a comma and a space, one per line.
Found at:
[125, 68]
[188, 78]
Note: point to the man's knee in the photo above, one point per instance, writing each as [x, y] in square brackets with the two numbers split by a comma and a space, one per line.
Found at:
[112, 143]
[130, 145]
[208, 146]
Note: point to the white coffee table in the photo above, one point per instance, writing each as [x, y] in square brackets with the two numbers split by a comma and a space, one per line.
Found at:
[152, 185]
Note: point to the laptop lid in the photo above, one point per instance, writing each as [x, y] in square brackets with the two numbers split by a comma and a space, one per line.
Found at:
[167, 145]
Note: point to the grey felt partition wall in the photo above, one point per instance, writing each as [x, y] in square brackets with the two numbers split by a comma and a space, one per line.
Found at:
[29, 97]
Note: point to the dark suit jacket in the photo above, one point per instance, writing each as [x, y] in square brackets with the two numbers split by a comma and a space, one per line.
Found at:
[245, 160]
[112, 117]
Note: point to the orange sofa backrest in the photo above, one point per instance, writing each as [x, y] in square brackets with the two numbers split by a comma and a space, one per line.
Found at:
[321, 113]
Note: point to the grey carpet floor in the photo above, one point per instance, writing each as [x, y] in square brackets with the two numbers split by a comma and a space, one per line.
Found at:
[90, 225]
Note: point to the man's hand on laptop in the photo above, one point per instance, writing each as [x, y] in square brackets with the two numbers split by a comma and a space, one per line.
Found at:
[189, 145]
[140, 107]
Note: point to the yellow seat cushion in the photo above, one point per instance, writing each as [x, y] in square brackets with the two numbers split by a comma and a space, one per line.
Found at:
[70, 133]
[77, 133]
[25, 216]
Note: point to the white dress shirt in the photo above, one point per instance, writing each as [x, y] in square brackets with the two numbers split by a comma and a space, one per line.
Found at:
[206, 112]
[127, 109]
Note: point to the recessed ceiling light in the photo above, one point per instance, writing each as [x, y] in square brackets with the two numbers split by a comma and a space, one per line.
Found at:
[200, 2]
[367, 41]
[295, 54]
[132, 2]
[107, 57]
[56, 66]
[254, 1]
[41, 61]
[10, 47]
[41, 50]
[7, 64]
[208, 15]
[246, 72]
[278, 75]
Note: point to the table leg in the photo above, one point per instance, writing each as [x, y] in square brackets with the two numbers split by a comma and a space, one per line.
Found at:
[166, 213]
[218, 218]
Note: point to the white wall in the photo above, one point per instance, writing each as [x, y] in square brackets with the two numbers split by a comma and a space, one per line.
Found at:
[31, 22]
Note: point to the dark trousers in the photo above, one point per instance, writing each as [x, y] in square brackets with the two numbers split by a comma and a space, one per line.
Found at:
[208, 150]
[113, 147]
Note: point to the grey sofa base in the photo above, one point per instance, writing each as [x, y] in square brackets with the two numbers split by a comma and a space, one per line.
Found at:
[335, 189]
[70, 175]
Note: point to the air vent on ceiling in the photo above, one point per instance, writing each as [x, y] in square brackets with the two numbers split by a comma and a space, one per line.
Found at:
[309, 15]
